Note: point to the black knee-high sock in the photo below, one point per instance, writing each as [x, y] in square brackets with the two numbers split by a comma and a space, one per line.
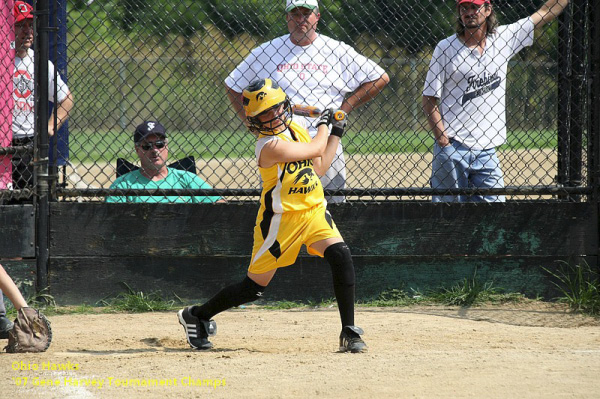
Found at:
[230, 296]
[342, 270]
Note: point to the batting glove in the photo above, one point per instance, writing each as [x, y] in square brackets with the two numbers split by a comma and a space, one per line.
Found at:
[338, 123]
[325, 117]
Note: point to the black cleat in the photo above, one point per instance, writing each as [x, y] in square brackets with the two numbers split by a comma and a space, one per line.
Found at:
[5, 326]
[196, 331]
[350, 340]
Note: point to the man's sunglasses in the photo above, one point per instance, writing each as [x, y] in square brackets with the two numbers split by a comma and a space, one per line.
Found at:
[149, 145]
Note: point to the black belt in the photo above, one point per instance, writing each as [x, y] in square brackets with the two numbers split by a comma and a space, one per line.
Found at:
[22, 141]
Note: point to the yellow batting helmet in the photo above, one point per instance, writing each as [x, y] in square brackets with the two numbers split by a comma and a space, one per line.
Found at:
[263, 95]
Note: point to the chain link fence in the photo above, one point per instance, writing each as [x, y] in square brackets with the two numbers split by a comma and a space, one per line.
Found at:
[127, 61]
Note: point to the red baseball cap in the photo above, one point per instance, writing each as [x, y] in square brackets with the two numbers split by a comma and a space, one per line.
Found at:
[476, 2]
[22, 11]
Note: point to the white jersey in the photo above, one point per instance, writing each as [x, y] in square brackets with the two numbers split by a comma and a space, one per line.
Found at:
[23, 117]
[472, 86]
[319, 74]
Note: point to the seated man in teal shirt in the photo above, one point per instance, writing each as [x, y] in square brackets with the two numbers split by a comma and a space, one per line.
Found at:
[151, 146]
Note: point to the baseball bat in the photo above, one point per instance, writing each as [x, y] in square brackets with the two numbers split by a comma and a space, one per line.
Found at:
[312, 112]
[306, 110]
[339, 115]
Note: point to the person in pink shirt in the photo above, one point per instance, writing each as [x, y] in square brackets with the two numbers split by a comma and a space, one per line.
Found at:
[7, 56]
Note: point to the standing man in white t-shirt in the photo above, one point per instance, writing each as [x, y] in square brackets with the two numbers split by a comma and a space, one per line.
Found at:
[464, 96]
[312, 69]
[23, 113]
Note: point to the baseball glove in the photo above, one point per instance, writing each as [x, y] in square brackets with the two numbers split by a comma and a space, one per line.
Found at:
[31, 332]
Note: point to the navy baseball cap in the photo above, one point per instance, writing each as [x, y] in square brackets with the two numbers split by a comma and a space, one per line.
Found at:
[148, 128]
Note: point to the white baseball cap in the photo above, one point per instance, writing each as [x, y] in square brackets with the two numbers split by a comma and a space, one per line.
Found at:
[291, 4]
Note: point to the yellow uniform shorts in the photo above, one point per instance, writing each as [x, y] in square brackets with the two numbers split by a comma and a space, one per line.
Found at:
[278, 237]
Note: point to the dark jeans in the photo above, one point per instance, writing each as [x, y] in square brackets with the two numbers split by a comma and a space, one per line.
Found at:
[2, 308]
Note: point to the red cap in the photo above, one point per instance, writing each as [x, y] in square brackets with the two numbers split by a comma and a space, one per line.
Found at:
[22, 11]
[476, 2]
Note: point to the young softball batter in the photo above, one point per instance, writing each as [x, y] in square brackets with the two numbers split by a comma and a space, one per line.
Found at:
[292, 213]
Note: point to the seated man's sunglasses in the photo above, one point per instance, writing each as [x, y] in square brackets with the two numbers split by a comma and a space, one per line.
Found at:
[149, 145]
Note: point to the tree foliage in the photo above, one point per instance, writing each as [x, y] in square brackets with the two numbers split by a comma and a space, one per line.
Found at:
[411, 25]
[159, 57]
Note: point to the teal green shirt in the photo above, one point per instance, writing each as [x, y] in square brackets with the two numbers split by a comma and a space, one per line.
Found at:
[176, 179]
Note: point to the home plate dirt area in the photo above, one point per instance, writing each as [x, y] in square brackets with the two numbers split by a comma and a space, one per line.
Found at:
[527, 350]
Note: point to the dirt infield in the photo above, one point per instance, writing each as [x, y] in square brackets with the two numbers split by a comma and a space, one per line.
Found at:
[521, 167]
[531, 350]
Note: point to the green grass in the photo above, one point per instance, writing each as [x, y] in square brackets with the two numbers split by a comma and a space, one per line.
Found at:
[282, 305]
[579, 286]
[310, 304]
[138, 302]
[396, 298]
[107, 146]
[469, 292]
[472, 292]
[80, 309]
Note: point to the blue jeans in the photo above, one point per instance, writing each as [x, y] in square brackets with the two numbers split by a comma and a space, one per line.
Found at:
[2, 308]
[457, 166]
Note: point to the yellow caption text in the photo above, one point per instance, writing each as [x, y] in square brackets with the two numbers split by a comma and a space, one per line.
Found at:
[22, 366]
[118, 382]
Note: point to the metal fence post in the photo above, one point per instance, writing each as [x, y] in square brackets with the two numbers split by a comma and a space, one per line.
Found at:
[564, 92]
[579, 81]
[41, 177]
[123, 85]
[594, 108]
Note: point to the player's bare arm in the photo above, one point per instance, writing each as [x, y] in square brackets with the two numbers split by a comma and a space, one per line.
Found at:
[434, 119]
[550, 10]
[235, 99]
[62, 114]
[276, 151]
[338, 120]
[365, 92]
[8, 287]
[322, 163]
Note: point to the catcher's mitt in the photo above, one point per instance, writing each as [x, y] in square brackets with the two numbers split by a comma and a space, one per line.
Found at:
[31, 332]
